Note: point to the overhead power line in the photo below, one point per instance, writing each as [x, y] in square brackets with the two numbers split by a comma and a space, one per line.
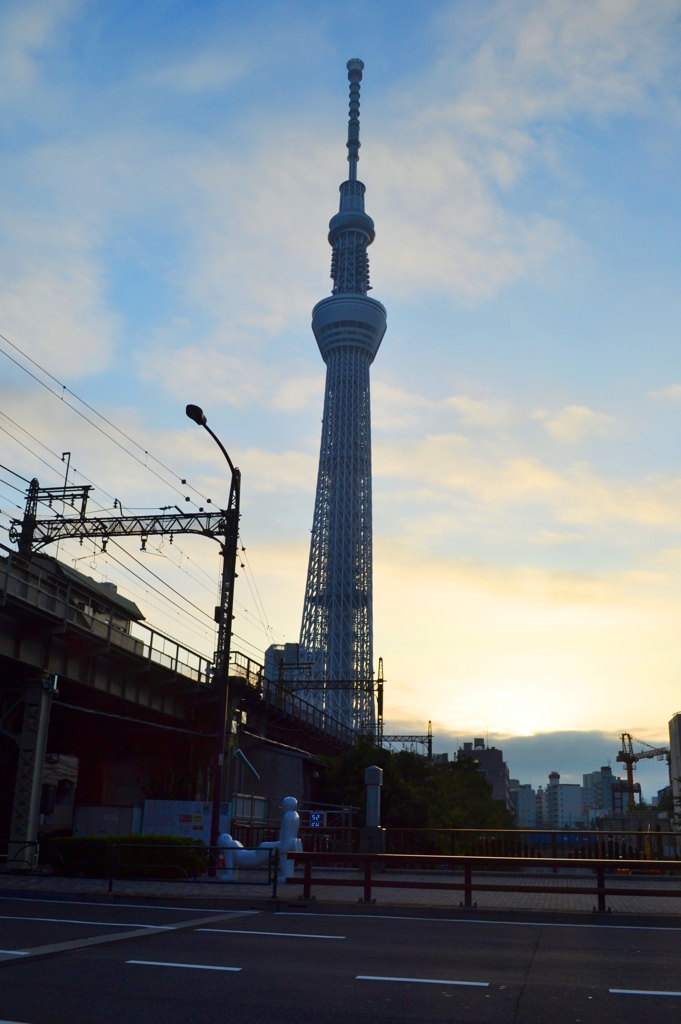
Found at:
[66, 390]
[13, 486]
[61, 396]
[14, 473]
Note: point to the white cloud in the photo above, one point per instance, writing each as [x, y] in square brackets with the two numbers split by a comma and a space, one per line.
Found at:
[549, 537]
[279, 472]
[236, 380]
[672, 393]
[468, 483]
[206, 71]
[57, 315]
[299, 393]
[394, 408]
[555, 58]
[482, 412]
[26, 29]
[577, 423]
[450, 234]
[253, 254]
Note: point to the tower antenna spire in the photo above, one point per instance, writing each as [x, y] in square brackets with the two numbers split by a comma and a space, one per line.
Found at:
[355, 68]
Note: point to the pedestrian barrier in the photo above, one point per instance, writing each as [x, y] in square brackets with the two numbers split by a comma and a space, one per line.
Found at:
[519, 842]
[364, 863]
[601, 844]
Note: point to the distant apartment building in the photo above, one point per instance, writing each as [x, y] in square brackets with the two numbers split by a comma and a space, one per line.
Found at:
[675, 762]
[662, 794]
[491, 763]
[524, 800]
[541, 810]
[597, 797]
[563, 803]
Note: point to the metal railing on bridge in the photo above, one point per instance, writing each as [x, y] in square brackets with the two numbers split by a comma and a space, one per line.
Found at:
[511, 844]
[439, 873]
[62, 598]
[276, 695]
[30, 582]
[574, 844]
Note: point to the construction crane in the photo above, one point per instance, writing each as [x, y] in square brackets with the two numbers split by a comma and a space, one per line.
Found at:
[629, 757]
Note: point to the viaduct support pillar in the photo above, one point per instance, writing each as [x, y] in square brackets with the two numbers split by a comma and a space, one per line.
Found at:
[22, 852]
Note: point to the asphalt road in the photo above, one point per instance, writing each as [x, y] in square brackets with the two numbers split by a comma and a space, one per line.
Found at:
[310, 968]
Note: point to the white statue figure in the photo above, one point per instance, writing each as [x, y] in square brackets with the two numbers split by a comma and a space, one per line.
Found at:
[235, 856]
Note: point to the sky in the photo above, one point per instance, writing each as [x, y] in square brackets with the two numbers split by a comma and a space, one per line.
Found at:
[168, 173]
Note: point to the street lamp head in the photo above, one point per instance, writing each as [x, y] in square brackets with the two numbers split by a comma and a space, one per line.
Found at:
[196, 413]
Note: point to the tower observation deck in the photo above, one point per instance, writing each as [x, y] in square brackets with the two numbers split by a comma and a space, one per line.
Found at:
[336, 633]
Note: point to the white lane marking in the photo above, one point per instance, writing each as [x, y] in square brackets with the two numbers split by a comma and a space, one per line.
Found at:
[10, 1022]
[286, 935]
[424, 981]
[132, 906]
[13, 952]
[640, 992]
[196, 967]
[465, 920]
[71, 920]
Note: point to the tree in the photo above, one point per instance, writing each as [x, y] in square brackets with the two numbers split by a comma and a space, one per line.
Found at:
[416, 793]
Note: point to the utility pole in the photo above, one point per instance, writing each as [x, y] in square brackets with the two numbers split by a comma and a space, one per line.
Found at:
[224, 614]
[66, 482]
[25, 538]
[32, 534]
[22, 850]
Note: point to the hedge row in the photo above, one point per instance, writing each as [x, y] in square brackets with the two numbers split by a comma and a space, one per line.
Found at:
[130, 856]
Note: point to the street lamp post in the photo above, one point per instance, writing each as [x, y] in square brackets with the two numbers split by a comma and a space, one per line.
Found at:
[226, 613]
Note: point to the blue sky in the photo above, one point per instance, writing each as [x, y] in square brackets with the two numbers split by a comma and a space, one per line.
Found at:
[168, 172]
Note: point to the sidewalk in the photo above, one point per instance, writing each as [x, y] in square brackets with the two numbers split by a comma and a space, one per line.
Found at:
[206, 892]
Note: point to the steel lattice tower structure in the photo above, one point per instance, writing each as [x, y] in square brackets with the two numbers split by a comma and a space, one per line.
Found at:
[337, 626]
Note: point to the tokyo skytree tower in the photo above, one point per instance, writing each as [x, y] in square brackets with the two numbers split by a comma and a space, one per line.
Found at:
[337, 626]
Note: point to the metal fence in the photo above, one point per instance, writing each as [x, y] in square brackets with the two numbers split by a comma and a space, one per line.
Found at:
[574, 844]
[363, 864]
[515, 843]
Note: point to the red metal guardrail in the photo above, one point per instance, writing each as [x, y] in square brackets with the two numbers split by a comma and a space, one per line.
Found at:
[467, 864]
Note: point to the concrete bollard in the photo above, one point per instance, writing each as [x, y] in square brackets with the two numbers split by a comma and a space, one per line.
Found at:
[373, 778]
[372, 837]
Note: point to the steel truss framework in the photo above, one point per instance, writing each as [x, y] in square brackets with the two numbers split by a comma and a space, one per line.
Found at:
[338, 613]
[32, 534]
[336, 633]
[46, 531]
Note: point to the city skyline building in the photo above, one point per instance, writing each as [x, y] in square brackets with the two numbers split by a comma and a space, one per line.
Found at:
[336, 634]
[597, 793]
[563, 803]
[675, 761]
[524, 800]
[491, 763]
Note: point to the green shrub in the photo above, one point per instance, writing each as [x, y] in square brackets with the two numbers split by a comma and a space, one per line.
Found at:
[131, 856]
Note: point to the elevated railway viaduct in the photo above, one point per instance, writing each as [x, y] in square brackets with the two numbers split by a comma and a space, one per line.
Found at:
[82, 675]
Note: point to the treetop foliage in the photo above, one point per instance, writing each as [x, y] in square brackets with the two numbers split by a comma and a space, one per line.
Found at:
[416, 793]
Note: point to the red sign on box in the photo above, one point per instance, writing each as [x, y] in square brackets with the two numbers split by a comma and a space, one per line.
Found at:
[185, 817]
